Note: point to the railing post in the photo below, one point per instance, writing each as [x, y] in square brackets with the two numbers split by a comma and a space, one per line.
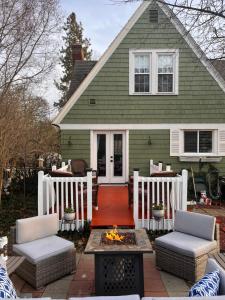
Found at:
[184, 189]
[63, 164]
[40, 192]
[54, 167]
[89, 194]
[135, 195]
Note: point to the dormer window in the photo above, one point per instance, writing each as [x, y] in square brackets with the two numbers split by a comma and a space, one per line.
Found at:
[153, 72]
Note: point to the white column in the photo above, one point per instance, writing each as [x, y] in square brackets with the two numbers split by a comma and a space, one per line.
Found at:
[135, 196]
[184, 189]
[89, 194]
[40, 192]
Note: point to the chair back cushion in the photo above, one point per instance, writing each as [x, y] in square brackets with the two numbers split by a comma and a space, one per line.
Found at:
[34, 228]
[78, 167]
[211, 266]
[195, 224]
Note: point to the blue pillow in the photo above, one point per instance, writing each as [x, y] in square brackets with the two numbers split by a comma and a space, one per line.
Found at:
[207, 286]
[7, 290]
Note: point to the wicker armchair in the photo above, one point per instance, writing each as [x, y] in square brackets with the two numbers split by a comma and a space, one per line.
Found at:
[47, 256]
[185, 251]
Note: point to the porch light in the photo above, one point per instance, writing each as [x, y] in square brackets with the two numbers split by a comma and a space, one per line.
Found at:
[149, 141]
[69, 141]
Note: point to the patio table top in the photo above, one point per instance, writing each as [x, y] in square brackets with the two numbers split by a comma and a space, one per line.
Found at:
[95, 245]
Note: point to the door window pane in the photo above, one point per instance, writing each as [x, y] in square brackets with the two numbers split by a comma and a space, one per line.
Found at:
[141, 73]
[191, 141]
[205, 141]
[165, 73]
[101, 154]
[118, 154]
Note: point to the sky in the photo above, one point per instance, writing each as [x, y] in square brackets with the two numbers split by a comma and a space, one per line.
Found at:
[102, 20]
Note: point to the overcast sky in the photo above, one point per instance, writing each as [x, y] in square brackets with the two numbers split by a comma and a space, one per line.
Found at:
[102, 20]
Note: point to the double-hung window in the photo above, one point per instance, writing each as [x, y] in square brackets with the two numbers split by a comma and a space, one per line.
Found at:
[142, 73]
[153, 72]
[166, 73]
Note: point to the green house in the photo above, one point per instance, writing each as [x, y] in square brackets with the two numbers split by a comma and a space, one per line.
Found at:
[152, 95]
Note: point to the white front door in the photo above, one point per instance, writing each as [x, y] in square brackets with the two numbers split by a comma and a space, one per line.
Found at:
[109, 156]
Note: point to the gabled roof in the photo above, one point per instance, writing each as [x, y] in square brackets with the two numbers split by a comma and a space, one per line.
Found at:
[98, 66]
[81, 69]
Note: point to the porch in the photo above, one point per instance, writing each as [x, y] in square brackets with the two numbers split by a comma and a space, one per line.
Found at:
[129, 205]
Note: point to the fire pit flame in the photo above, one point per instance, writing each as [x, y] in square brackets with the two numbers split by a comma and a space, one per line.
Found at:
[113, 235]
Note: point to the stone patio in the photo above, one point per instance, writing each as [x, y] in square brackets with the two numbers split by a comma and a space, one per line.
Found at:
[81, 283]
[157, 283]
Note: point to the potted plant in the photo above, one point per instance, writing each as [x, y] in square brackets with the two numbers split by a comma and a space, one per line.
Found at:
[158, 211]
[69, 214]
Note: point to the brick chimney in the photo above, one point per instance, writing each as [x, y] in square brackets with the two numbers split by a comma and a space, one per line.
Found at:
[77, 52]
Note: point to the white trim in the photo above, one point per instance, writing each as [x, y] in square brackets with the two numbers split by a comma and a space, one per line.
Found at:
[141, 126]
[153, 74]
[113, 46]
[193, 45]
[92, 163]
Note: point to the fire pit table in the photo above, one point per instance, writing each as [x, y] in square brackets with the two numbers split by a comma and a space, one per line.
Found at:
[119, 264]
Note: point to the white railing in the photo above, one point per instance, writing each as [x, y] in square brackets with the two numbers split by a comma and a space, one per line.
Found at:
[57, 193]
[171, 192]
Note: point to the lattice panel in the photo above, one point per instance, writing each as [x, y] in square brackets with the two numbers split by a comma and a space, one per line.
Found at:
[119, 274]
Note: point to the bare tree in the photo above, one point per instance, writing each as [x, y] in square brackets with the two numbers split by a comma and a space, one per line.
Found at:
[27, 29]
[204, 19]
[25, 130]
[27, 53]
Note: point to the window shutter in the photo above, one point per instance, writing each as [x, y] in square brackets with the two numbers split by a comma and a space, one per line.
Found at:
[175, 142]
[221, 142]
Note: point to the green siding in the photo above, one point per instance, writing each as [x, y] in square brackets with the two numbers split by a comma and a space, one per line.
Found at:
[79, 147]
[200, 98]
[141, 153]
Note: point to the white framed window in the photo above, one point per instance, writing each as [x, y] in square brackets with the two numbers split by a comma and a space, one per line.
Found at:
[142, 69]
[193, 141]
[198, 142]
[153, 72]
[166, 73]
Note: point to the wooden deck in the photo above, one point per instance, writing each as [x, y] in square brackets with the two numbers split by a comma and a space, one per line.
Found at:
[113, 208]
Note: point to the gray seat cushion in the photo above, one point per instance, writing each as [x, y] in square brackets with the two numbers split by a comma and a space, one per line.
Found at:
[185, 244]
[211, 266]
[41, 249]
[195, 224]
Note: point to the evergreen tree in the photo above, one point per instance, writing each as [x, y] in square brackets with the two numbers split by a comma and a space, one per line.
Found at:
[73, 35]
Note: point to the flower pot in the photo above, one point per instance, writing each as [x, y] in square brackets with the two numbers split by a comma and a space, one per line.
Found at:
[158, 213]
[69, 216]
